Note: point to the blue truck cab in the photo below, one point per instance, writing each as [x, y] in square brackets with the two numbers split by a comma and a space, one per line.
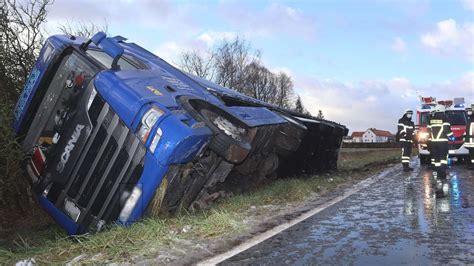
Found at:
[112, 132]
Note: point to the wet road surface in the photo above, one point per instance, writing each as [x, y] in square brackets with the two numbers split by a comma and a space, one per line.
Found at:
[397, 220]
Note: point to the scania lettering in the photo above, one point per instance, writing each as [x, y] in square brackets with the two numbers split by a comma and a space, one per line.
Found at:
[69, 148]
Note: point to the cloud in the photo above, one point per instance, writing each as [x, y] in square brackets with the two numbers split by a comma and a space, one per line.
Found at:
[153, 15]
[268, 21]
[172, 50]
[450, 39]
[398, 45]
[468, 4]
[169, 51]
[212, 37]
[375, 103]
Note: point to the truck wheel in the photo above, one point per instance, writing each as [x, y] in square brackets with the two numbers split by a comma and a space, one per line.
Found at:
[230, 139]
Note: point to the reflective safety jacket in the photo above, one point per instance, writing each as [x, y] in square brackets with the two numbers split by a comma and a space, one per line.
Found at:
[469, 136]
[406, 128]
[439, 130]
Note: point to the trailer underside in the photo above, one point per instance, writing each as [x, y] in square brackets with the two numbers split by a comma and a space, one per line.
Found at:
[274, 155]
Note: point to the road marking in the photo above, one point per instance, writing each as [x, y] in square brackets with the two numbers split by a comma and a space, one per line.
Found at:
[276, 230]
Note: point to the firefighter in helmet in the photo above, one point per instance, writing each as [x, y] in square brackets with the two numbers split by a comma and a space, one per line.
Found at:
[439, 132]
[405, 135]
[469, 136]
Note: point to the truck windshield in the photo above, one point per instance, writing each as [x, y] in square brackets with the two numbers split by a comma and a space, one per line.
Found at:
[424, 118]
[456, 117]
[106, 60]
[67, 85]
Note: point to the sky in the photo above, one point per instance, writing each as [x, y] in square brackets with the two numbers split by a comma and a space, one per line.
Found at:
[362, 62]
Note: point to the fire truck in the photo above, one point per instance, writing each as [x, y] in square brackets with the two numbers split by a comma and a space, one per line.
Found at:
[456, 116]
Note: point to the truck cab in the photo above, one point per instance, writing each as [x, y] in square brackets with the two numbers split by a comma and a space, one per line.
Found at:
[455, 115]
[113, 132]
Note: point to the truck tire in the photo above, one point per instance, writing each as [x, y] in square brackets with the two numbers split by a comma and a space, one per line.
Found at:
[229, 140]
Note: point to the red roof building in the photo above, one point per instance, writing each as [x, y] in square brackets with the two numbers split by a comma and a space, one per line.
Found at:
[372, 135]
[381, 133]
[357, 134]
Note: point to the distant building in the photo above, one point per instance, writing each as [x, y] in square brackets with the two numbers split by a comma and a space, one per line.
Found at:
[377, 135]
[372, 135]
[347, 139]
[357, 136]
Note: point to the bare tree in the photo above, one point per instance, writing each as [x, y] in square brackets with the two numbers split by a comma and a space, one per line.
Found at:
[236, 65]
[231, 59]
[258, 82]
[83, 29]
[284, 91]
[197, 64]
[21, 39]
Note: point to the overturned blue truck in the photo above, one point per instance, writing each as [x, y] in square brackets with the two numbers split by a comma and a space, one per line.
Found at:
[112, 132]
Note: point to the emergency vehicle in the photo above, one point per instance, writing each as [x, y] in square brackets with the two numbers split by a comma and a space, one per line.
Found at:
[456, 116]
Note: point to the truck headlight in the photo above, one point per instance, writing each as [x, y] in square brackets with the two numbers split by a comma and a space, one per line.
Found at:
[91, 98]
[147, 123]
[155, 140]
[130, 204]
[423, 136]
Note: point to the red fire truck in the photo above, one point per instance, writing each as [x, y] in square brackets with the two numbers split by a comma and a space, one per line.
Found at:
[456, 116]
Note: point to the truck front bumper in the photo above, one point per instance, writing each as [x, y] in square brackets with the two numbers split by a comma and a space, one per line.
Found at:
[454, 150]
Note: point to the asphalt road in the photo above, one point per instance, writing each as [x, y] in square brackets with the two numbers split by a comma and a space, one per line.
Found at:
[397, 220]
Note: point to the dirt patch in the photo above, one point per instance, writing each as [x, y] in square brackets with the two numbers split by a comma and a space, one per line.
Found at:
[16, 221]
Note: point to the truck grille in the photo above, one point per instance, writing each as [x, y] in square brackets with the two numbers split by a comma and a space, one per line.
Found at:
[107, 170]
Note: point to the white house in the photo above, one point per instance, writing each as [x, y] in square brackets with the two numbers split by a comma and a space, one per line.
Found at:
[377, 135]
[372, 135]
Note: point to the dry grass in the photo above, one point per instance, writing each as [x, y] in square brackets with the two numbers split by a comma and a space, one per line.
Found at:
[352, 159]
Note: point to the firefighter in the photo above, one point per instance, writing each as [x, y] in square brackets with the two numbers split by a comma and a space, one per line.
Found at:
[439, 131]
[469, 136]
[405, 136]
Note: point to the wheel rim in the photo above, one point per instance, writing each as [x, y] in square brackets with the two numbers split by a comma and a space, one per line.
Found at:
[229, 128]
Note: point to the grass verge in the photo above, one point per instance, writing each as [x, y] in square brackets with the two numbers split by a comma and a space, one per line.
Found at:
[17, 206]
[179, 234]
[13, 186]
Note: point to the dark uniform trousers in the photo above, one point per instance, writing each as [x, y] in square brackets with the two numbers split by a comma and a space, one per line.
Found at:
[439, 157]
[471, 154]
[406, 152]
